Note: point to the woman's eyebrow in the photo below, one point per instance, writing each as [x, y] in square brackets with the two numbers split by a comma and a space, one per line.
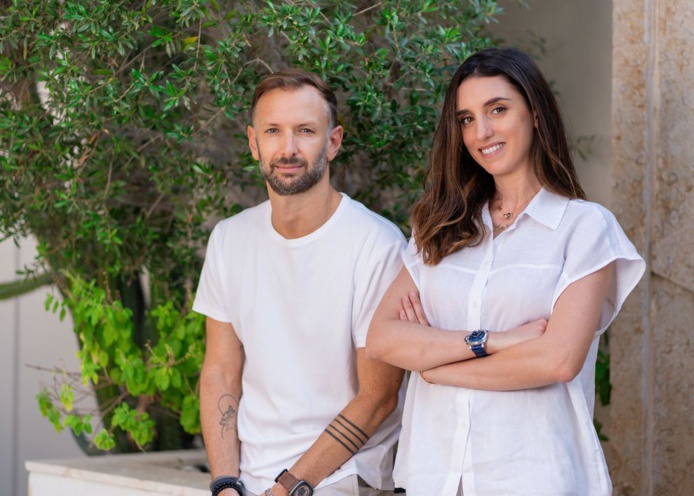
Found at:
[491, 101]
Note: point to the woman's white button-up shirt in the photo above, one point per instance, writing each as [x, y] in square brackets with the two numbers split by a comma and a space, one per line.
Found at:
[529, 442]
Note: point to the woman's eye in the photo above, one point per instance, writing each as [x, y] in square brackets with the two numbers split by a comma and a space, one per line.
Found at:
[498, 110]
[465, 120]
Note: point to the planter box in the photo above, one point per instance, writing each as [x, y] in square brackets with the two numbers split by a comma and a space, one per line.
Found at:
[141, 474]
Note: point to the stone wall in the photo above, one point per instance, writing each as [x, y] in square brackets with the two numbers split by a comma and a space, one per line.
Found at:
[652, 410]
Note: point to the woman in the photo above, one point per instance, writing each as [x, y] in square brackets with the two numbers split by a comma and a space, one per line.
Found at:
[503, 236]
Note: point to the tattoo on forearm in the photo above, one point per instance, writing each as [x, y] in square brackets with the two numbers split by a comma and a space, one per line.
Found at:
[228, 406]
[347, 433]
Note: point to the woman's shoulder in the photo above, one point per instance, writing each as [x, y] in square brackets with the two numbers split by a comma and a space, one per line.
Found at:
[585, 219]
[589, 211]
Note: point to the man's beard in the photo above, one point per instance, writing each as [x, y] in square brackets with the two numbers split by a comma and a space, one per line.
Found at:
[300, 183]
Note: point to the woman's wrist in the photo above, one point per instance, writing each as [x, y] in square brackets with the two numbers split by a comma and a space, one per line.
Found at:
[495, 342]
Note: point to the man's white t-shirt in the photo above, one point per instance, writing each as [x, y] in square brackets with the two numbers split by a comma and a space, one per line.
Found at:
[301, 307]
[530, 442]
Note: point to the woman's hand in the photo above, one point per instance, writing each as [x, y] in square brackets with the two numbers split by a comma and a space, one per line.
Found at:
[412, 310]
[501, 340]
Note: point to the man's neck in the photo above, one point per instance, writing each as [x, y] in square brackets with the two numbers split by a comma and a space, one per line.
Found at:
[296, 216]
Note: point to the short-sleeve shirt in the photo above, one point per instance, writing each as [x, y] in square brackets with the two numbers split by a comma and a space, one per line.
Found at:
[301, 307]
[529, 442]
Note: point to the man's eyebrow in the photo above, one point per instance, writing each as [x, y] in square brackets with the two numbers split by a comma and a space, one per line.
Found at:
[301, 124]
[489, 102]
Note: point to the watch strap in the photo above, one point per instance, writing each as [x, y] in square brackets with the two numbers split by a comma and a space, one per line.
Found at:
[226, 482]
[478, 347]
[287, 480]
[479, 350]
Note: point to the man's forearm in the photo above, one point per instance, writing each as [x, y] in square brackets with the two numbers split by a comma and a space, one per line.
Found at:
[218, 416]
[348, 432]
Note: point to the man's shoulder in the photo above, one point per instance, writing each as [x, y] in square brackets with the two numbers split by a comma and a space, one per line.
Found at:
[251, 216]
[368, 221]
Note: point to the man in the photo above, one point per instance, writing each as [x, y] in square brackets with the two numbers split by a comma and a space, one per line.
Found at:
[288, 400]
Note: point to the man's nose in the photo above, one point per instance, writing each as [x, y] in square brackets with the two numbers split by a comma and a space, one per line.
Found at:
[289, 145]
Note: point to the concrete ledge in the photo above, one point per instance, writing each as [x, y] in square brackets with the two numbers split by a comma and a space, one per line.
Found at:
[141, 474]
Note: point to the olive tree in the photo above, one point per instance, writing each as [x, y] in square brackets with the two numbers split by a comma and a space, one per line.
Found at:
[122, 140]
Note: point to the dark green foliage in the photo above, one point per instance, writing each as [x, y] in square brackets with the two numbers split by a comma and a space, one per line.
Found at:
[122, 139]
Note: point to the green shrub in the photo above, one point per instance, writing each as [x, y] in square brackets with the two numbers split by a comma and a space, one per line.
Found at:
[122, 139]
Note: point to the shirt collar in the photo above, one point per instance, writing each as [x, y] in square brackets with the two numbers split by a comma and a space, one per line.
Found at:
[547, 208]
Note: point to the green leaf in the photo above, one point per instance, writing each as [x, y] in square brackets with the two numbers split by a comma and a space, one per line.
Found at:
[49, 410]
[67, 396]
[104, 440]
[162, 379]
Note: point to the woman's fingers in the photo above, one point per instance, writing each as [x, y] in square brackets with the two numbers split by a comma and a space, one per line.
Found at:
[418, 309]
[409, 309]
[412, 310]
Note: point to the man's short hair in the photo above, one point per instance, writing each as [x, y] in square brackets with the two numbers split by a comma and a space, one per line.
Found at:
[294, 79]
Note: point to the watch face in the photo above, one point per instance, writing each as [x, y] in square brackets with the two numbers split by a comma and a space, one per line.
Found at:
[475, 337]
[302, 489]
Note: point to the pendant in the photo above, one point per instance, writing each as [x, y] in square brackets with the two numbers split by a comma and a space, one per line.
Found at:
[508, 215]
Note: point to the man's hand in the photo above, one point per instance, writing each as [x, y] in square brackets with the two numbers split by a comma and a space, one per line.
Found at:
[229, 492]
[276, 490]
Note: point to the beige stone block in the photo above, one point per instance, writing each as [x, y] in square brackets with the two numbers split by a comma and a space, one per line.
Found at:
[673, 401]
[629, 105]
[673, 221]
[628, 22]
[627, 403]
[675, 16]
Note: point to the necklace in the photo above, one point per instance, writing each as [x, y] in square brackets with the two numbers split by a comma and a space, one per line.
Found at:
[509, 215]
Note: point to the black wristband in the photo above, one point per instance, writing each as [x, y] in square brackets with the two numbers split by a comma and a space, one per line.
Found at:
[226, 482]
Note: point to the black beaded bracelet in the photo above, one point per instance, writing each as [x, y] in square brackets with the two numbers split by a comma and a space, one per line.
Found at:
[226, 482]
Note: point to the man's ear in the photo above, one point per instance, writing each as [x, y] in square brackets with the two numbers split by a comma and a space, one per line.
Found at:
[252, 142]
[334, 142]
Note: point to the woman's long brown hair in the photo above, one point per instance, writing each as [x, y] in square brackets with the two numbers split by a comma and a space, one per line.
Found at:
[448, 216]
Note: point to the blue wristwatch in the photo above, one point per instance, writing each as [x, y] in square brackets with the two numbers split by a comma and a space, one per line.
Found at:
[477, 341]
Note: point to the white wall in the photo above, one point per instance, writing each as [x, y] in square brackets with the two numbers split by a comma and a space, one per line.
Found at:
[578, 61]
[28, 336]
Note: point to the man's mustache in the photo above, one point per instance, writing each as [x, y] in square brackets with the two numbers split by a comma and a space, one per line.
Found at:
[288, 161]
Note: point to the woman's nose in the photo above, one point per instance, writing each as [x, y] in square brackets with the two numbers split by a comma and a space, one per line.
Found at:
[484, 128]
